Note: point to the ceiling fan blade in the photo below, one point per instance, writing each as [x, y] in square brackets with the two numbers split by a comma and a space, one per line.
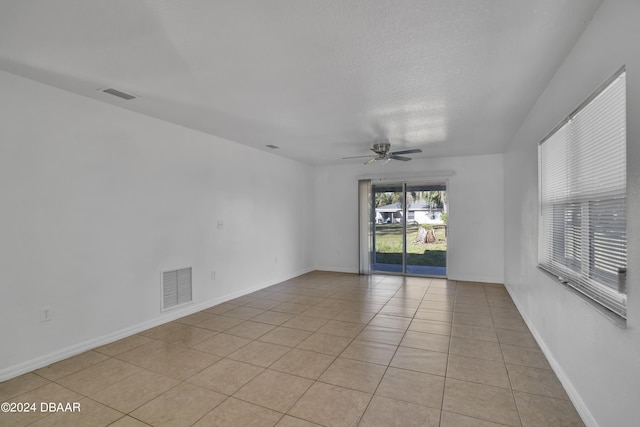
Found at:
[404, 159]
[356, 157]
[368, 162]
[417, 150]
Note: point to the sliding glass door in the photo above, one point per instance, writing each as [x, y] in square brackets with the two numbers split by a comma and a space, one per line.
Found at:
[426, 229]
[388, 227]
[409, 228]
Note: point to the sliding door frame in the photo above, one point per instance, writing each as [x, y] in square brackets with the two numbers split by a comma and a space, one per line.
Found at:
[366, 222]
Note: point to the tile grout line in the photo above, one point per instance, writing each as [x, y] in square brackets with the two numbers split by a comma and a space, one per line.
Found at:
[336, 358]
[394, 354]
[355, 294]
[446, 368]
[515, 401]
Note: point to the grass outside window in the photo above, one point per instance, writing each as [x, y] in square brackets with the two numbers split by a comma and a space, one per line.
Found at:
[389, 246]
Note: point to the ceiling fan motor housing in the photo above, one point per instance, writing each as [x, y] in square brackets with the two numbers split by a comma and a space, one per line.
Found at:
[381, 148]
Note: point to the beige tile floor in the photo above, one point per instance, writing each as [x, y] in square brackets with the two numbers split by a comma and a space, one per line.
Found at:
[324, 349]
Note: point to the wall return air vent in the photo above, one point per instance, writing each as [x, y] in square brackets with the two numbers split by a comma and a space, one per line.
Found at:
[176, 288]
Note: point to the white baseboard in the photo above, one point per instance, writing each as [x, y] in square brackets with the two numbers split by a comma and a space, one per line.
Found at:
[574, 396]
[463, 278]
[168, 316]
[339, 269]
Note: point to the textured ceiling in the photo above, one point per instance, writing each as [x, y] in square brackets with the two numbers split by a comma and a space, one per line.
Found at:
[320, 79]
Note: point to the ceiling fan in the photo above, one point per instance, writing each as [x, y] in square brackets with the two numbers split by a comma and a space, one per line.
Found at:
[382, 154]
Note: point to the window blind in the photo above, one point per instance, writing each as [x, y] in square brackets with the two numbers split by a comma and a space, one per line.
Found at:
[582, 197]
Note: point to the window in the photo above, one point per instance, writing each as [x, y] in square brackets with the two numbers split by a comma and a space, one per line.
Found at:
[582, 218]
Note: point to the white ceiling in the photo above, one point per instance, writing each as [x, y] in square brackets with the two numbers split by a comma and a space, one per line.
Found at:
[322, 79]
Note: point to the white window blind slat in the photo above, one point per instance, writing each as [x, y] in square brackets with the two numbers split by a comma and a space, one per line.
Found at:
[582, 217]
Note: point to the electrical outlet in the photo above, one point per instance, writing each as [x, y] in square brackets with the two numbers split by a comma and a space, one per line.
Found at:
[46, 314]
[220, 224]
[276, 261]
[213, 275]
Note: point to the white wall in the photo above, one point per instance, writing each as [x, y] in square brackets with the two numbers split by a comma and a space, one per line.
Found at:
[97, 200]
[475, 219]
[598, 361]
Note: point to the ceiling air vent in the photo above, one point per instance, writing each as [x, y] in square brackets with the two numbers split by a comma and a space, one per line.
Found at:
[176, 288]
[119, 94]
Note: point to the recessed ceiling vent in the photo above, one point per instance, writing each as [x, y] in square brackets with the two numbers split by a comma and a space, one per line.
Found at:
[273, 147]
[119, 94]
[176, 288]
